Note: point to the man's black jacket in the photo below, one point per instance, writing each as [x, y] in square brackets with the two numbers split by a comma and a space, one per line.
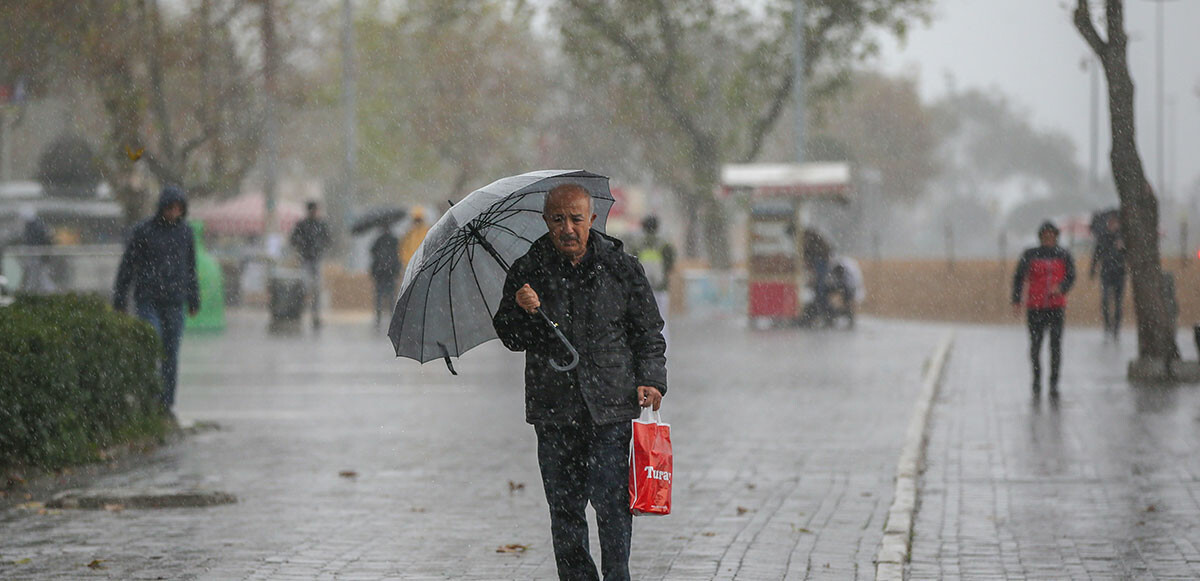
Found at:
[606, 307]
[160, 260]
[310, 237]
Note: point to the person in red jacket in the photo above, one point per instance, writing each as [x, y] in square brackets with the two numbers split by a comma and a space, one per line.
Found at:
[1045, 275]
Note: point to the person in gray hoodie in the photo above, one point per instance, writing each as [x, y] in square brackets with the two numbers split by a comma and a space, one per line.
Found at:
[160, 264]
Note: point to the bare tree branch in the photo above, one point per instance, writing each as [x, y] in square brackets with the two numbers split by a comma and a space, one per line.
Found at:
[1083, 22]
[658, 78]
[762, 125]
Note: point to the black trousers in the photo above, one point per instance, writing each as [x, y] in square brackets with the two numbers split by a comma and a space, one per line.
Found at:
[582, 462]
[1040, 321]
[1111, 294]
[385, 293]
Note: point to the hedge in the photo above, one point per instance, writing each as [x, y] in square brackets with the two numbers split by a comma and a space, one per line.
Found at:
[75, 378]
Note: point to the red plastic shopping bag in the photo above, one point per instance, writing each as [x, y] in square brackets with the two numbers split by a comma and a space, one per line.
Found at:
[650, 465]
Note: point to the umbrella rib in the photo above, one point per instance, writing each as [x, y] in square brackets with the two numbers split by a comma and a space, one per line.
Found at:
[478, 286]
[499, 226]
[450, 297]
[425, 315]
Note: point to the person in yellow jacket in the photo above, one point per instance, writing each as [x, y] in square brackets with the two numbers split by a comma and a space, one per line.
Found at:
[412, 239]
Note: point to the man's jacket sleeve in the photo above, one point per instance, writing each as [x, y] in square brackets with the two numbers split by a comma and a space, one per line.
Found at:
[193, 281]
[1019, 278]
[129, 263]
[517, 329]
[645, 324]
[1069, 279]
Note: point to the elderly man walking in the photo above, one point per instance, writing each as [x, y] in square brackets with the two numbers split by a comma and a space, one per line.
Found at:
[604, 304]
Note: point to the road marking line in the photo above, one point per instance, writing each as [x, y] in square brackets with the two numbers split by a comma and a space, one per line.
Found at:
[897, 530]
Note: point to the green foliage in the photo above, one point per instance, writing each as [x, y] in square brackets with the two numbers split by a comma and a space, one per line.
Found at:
[77, 378]
[449, 94]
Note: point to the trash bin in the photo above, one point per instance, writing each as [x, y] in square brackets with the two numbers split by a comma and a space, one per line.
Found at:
[286, 300]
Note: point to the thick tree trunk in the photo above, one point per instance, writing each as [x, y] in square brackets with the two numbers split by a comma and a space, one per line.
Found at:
[1139, 219]
[1139, 206]
[706, 171]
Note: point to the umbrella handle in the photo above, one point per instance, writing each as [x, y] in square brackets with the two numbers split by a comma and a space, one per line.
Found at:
[565, 342]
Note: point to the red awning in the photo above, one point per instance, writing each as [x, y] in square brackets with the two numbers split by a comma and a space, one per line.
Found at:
[245, 215]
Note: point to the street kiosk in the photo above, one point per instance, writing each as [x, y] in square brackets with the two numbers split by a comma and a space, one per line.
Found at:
[777, 194]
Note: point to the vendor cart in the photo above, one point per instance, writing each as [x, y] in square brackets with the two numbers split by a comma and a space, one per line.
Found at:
[777, 194]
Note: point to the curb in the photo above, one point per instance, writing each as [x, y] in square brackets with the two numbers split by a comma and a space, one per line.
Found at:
[897, 531]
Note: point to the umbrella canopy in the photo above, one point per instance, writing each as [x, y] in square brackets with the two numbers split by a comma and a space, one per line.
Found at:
[380, 217]
[452, 285]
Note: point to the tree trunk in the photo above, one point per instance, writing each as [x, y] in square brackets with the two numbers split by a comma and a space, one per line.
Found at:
[1139, 218]
[1139, 206]
[706, 172]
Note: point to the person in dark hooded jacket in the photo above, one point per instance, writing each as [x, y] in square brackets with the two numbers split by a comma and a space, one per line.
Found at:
[160, 264]
[604, 305]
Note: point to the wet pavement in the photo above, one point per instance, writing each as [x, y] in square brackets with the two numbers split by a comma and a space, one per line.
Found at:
[785, 450]
[1102, 485]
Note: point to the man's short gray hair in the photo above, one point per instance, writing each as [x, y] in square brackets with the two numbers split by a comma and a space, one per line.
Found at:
[569, 189]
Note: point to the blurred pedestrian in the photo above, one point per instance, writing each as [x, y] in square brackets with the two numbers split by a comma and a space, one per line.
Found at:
[385, 267]
[159, 262]
[605, 306]
[413, 237]
[310, 237]
[37, 276]
[1044, 276]
[817, 254]
[1109, 258]
[658, 260]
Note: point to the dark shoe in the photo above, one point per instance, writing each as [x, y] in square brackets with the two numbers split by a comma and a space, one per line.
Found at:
[1037, 388]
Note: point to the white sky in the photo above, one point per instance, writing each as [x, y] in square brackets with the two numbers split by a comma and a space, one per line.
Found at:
[1030, 50]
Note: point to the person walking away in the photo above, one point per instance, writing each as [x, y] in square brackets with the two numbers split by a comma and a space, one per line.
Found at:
[413, 237]
[817, 254]
[36, 270]
[1109, 258]
[159, 262]
[657, 257]
[385, 267]
[604, 304]
[1044, 276]
[310, 237]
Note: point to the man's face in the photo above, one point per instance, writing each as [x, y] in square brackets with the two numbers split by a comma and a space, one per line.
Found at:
[569, 218]
[173, 212]
[1048, 238]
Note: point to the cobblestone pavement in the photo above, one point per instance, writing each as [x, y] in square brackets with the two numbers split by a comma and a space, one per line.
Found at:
[786, 444]
[1103, 485]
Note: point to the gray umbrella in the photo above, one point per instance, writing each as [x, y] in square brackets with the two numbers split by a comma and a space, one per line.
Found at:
[452, 285]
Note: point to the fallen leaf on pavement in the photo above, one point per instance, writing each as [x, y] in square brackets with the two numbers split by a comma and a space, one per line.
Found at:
[1151, 508]
[114, 507]
[709, 534]
[515, 486]
[742, 510]
[24, 561]
[348, 474]
[418, 509]
[513, 548]
[96, 564]
[802, 530]
[751, 486]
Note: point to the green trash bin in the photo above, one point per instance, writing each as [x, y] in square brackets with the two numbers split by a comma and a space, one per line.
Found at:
[211, 317]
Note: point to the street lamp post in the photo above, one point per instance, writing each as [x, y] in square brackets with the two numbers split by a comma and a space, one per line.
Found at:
[1159, 134]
